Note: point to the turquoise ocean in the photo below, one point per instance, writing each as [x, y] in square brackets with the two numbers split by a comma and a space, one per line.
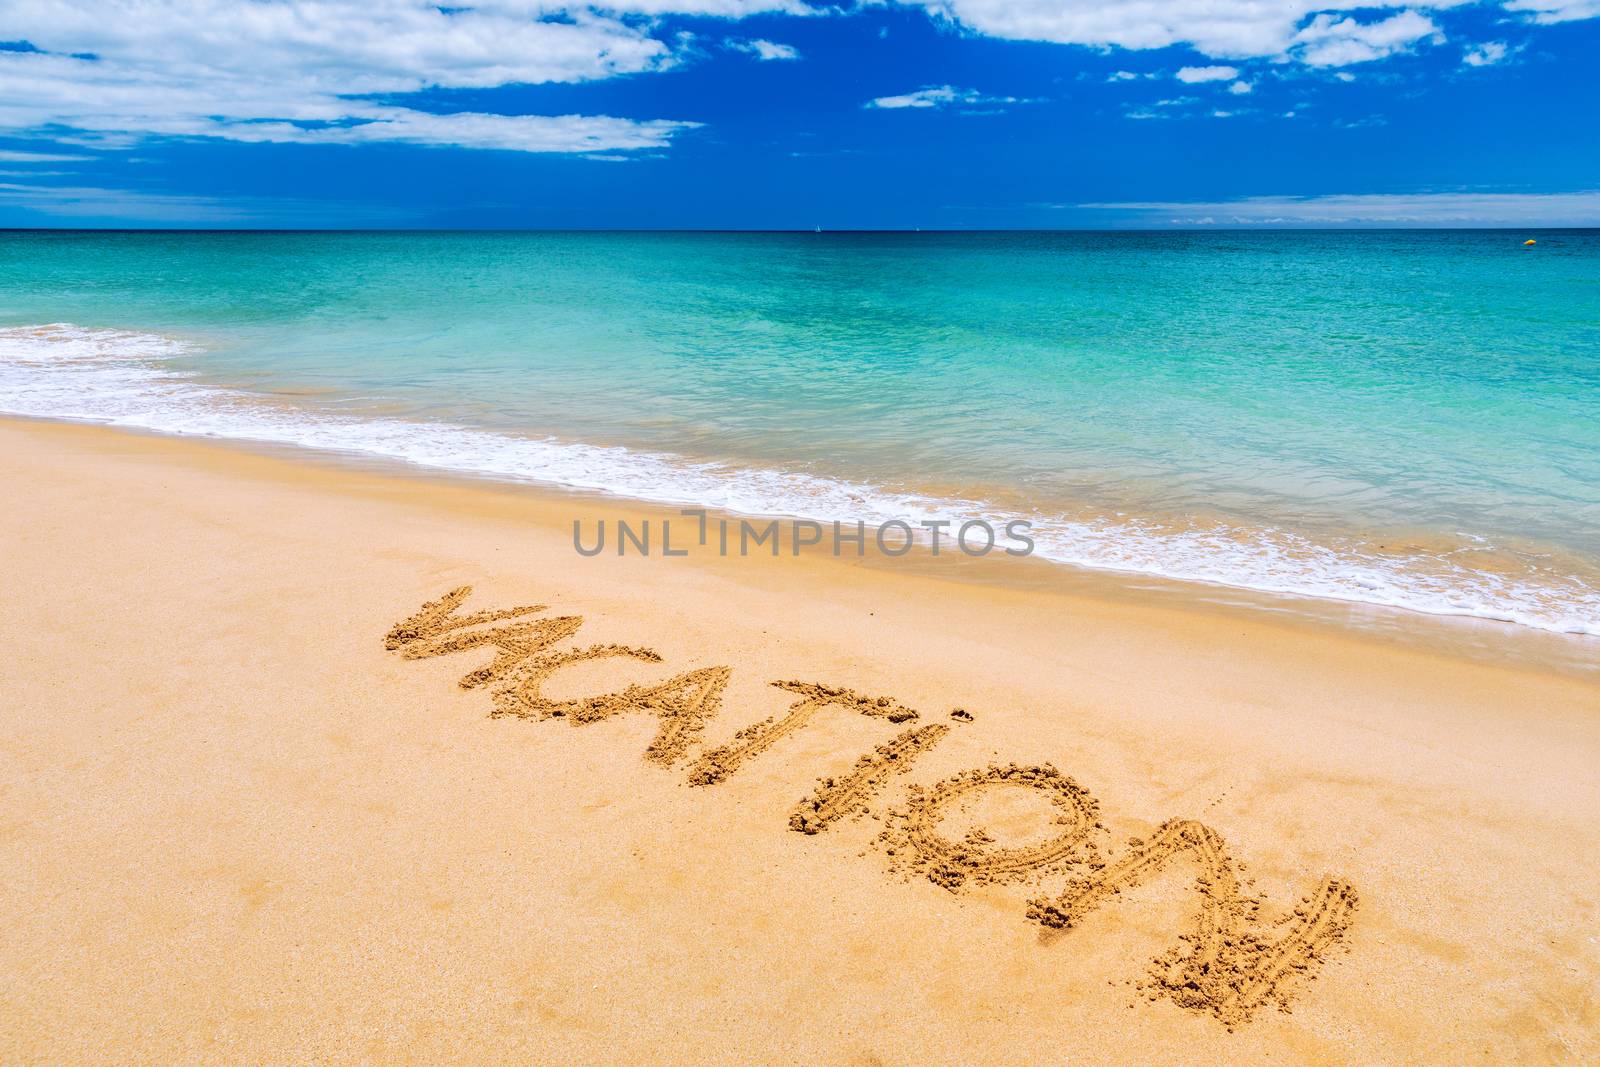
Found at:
[1400, 418]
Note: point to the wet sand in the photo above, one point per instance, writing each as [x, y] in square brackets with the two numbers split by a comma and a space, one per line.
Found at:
[262, 805]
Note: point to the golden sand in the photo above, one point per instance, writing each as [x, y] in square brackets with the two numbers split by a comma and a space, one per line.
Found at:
[666, 810]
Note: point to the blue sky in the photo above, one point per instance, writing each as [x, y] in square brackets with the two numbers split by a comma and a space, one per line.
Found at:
[789, 114]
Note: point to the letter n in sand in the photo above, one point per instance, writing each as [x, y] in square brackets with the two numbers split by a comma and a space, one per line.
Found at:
[1232, 964]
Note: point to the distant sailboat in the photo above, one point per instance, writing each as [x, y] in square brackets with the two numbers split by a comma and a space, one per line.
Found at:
[819, 229]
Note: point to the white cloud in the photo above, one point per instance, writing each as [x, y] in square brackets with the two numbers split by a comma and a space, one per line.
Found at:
[512, 133]
[110, 73]
[765, 51]
[1378, 209]
[1487, 54]
[728, 9]
[1221, 27]
[1123, 76]
[177, 209]
[40, 157]
[1327, 41]
[88, 202]
[1241, 88]
[938, 96]
[1224, 29]
[327, 71]
[1207, 74]
[1552, 11]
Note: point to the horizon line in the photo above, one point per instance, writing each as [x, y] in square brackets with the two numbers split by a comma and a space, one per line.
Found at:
[807, 231]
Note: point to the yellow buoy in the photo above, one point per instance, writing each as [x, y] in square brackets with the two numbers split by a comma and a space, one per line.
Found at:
[1529, 241]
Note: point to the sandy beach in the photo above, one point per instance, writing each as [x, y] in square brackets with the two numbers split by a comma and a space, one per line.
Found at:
[260, 805]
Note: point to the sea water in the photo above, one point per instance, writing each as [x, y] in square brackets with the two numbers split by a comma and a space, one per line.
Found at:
[1402, 418]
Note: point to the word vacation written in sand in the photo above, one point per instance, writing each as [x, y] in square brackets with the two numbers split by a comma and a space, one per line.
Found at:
[1228, 965]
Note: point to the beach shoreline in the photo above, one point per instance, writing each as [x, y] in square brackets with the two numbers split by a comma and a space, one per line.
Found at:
[672, 531]
[1326, 516]
[272, 836]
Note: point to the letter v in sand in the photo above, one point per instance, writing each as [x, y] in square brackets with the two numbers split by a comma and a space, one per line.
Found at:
[520, 667]
[436, 630]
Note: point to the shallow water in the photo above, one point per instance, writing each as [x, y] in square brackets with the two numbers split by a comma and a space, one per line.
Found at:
[1399, 418]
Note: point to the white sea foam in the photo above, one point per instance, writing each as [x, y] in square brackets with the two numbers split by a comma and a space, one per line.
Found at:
[127, 379]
